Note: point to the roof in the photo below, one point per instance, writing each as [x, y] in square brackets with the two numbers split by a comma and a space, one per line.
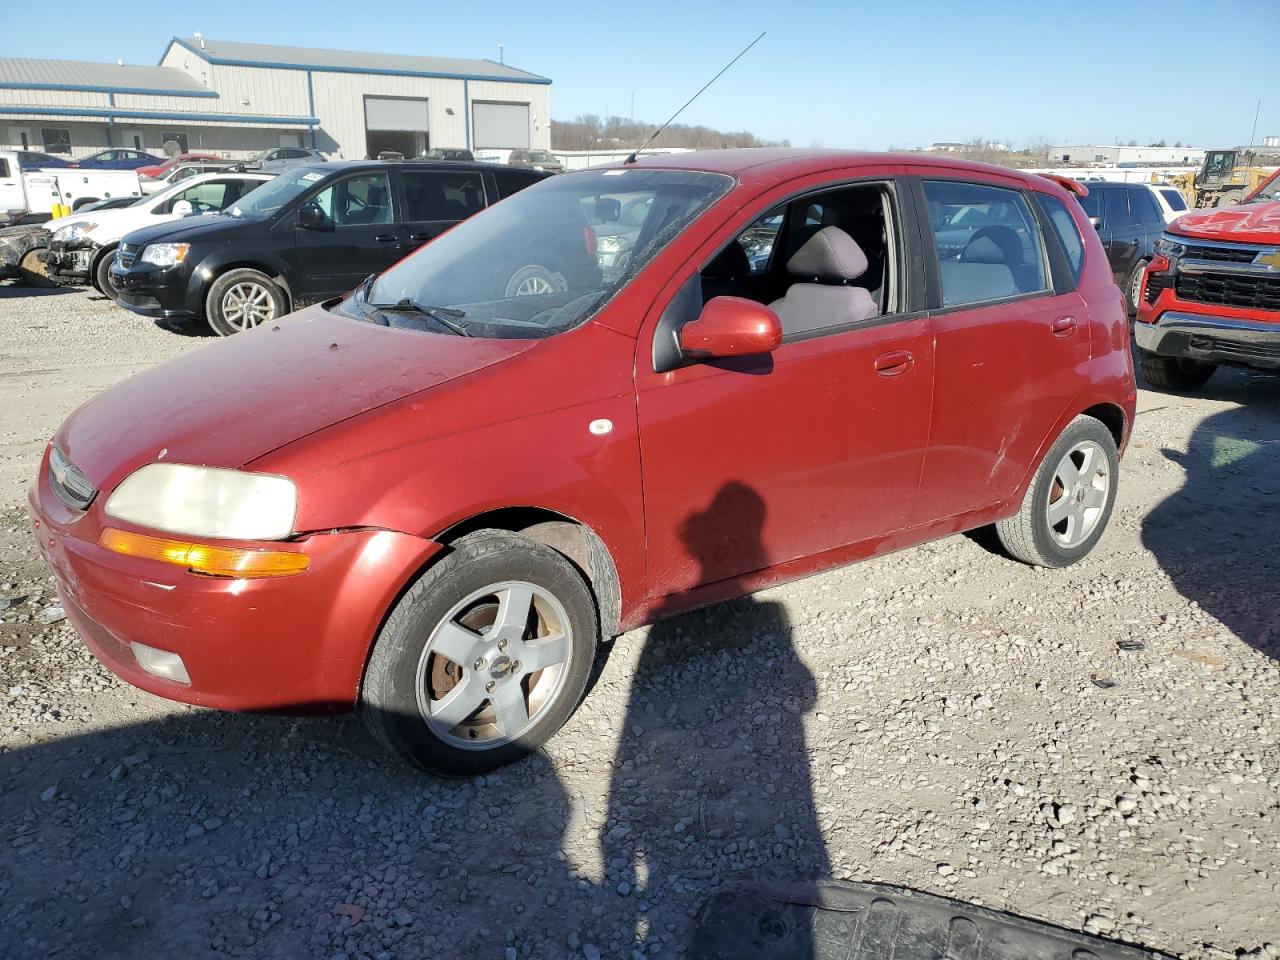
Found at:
[21, 73]
[234, 53]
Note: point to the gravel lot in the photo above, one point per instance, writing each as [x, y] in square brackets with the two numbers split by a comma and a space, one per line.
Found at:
[1096, 747]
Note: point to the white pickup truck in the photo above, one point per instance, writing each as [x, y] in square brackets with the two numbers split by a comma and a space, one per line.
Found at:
[30, 195]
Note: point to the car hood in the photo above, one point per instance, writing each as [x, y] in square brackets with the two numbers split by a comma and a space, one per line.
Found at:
[238, 399]
[1246, 223]
[205, 227]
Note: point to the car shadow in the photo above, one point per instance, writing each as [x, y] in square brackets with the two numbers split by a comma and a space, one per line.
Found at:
[693, 765]
[187, 328]
[12, 290]
[1216, 537]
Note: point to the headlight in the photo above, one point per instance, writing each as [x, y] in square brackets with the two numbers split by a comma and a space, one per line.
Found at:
[165, 254]
[1170, 248]
[612, 244]
[73, 231]
[206, 502]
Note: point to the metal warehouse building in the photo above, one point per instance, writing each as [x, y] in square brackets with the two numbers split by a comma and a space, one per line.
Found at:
[240, 98]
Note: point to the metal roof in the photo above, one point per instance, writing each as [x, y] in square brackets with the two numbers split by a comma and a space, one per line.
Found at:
[21, 73]
[234, 53]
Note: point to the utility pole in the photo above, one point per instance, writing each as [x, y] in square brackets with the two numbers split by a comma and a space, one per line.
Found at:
[500, 60]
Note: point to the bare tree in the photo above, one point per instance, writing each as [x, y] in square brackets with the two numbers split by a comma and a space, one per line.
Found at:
[589, 132]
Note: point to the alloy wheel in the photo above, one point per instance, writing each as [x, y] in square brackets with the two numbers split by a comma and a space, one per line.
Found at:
[494, 665]
[1078, 493]
[247, 304]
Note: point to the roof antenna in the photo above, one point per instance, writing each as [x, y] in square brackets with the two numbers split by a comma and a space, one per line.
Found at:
[636, 152]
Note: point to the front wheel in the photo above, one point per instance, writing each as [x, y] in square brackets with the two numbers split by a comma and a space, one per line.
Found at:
[1174, 373]
[484, 658]
[102, 275]
[1069, 501]
[242, 299]
[33, 270]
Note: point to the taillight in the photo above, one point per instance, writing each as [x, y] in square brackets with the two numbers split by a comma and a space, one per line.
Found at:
[589, 241]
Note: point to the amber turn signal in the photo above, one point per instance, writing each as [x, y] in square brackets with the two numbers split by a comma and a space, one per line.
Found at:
[204, 559]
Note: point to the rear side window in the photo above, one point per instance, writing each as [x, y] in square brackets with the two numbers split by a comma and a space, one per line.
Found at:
[4, 168]
[1174, 199]
[510, 181]
[442, 196]
[1115, 206]
[988, 243]
[1064, 227]
[1144, 206]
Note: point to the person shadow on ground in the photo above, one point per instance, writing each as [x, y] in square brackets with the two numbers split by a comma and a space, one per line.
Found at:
[695, 771]
[1216, 538]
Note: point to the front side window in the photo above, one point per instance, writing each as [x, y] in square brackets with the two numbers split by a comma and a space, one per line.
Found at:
[357, 200]
[430, 195]
[1064, 226]
[210, 196]
[535, 264]
[988, 243]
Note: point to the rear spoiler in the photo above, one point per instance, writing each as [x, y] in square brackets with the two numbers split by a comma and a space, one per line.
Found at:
[1067, 184]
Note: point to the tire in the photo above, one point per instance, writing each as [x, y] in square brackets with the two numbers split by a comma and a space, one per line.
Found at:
[1069, 501]
[409, 682]
[1134, 290]
[241, 299]
[1229, 199]
[534, 280]
[102, 275]
[33, 270]
[1174, 373]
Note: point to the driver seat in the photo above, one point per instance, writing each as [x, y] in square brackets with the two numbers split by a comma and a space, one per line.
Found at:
[828, 261]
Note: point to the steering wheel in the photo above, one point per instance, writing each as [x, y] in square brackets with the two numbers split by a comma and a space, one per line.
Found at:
[557, 316]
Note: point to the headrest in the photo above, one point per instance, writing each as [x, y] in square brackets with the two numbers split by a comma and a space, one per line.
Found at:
[993, 245]
[830, 255]
[608, 209]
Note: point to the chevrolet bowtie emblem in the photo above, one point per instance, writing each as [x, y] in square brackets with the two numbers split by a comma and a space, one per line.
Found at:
[1268, 259]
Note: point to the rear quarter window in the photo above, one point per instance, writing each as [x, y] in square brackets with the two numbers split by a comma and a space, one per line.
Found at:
[1068, 234]
[1174, 199]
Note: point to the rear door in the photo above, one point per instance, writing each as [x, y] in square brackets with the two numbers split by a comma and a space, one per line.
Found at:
[358, 236]
[434, 200]
[1125, 232]
[1011, 336]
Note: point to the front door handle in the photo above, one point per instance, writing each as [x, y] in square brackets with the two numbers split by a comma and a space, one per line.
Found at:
[387, 238]
[894, 363]
[1063, 326]
[422, 237]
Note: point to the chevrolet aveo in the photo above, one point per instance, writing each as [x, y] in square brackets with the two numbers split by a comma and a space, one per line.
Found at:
[431, 499]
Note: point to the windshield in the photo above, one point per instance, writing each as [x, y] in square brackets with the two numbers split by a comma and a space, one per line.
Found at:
[270, 197]
[548, 257]
[539, 155]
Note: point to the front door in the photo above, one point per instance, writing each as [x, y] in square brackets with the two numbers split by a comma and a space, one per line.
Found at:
[434, 200]
[358, 236]
[12, 196]
[755, 462]
[1010, 352]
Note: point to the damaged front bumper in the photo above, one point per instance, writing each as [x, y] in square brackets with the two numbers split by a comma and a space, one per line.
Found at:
[15, 243]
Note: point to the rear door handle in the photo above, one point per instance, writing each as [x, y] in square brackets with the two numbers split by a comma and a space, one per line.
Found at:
[1063, 326]
[894, 363]
[387, 238]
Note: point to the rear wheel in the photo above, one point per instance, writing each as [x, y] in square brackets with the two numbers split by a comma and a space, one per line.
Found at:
[1230, 198]
[484, 658]
[242, 299]
[34, 271]
[1174, 373]
[1069, 501]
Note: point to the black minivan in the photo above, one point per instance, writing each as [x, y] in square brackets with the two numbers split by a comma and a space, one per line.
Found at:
[1129, 223]
[313, 233]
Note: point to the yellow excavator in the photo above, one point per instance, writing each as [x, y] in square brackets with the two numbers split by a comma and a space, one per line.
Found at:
[1226, 178]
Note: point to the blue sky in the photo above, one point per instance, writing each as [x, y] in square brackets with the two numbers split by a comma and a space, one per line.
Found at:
[858, 75]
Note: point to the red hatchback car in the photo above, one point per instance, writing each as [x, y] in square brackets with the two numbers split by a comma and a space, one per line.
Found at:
[734, 368]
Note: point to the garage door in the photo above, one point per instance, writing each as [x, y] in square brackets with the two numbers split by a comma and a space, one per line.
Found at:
[385, 113]
[500, 125]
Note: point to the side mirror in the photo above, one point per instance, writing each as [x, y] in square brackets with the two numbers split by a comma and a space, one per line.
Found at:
[311, 216]
[1097, 222]
[731, 327]
[182, 208]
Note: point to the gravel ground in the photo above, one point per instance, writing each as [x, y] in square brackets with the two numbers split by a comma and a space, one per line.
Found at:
[1095, 747]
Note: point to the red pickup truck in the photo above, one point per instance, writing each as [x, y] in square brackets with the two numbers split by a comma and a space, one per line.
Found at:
[1211, 295]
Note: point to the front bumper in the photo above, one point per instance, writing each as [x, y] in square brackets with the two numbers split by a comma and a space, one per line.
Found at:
[159, 292]
[70, 261]
[291, 644]
[1211, 338]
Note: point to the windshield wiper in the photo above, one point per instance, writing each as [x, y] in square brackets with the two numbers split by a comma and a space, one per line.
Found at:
[445, 316]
